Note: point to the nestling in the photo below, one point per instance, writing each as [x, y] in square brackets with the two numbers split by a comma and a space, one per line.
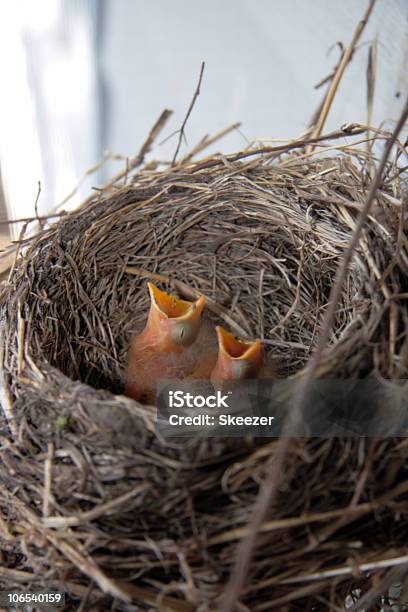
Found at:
[162, 349]
[237, 359]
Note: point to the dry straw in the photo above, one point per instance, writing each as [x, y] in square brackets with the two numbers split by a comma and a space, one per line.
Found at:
[93, 501]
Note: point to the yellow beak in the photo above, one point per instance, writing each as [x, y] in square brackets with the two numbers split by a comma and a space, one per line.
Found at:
[237, 359]
[174, 324]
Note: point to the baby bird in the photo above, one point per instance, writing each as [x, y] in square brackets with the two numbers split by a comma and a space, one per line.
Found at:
[227, 357]
[237, 359]
[164, 348]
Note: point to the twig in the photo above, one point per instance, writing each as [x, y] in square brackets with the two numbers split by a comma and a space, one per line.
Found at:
[206, 142]
[371, 80]
[349, 129]
[48, 479]
[17, 251]
[347, 571]
[190, 108]
[36, 200]
[96, 512]
[340, 71]
[29, 219]
[326, 79]
[6, 402]
[269, 486]
[20, 336]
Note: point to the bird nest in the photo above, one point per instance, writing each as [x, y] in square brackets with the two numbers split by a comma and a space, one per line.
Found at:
[94, 501]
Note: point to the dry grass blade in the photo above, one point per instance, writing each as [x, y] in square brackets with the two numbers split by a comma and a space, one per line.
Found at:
[190, 108]
[347, 55]
[371, 82]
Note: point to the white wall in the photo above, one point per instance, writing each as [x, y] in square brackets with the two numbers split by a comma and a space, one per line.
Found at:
[48, 104]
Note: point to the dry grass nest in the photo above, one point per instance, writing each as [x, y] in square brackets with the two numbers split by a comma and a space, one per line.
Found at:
[93, 500]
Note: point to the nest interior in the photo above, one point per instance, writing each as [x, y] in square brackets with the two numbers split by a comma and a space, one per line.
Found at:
[92, 495]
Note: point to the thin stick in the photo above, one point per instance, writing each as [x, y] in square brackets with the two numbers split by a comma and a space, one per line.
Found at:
[206, 142]
[371, 81]
[327, 79]
[17, 251]
[20, 336]
[348, 570]
[6, 403]
[190, 108]
[29, 219]
[349, 129]
[36, 200]
[96, 512]
[48, 480]
[269, 486]
[340, 71]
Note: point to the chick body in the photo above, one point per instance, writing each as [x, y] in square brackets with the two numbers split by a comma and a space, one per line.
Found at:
[166, 346]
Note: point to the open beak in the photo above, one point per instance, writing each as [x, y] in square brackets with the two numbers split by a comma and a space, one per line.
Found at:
[237, 359]
[176, 322]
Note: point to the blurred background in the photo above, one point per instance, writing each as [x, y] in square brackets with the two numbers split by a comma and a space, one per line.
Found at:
[82, 77]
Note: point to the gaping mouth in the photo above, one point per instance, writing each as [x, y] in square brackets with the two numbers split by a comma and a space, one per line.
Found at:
[168, 304]
[235, 347]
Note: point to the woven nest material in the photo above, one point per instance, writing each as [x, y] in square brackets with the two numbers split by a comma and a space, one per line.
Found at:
[93, 500]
